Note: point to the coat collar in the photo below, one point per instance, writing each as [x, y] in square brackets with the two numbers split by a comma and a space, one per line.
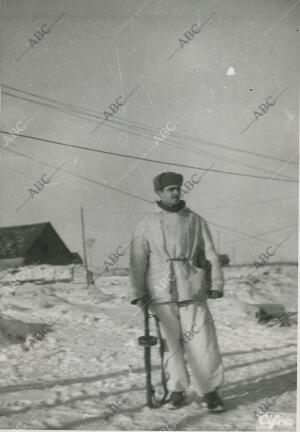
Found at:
[159, 209]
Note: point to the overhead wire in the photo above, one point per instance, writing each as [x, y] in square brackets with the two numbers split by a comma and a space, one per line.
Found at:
[250, 203]
[140, 125]
[264, 233]
[153, 161]
[244, 204]
[115, 125]
[134, 157]
[86, 116]
[127, 193]
[214, 144]
[79, 176]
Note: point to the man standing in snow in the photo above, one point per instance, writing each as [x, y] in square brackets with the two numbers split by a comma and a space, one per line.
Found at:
[167, 266]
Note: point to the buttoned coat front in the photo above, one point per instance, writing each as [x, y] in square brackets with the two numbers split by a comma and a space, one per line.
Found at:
[167, 258]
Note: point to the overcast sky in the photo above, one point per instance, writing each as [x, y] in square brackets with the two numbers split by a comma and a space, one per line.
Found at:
[99, 50]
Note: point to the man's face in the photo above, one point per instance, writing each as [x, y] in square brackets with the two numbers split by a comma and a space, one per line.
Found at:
[170, 195]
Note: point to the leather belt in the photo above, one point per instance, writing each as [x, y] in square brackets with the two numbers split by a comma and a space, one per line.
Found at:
[178, 259]
[185, 260]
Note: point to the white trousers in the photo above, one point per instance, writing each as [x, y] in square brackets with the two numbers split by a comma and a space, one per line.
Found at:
[190, 338]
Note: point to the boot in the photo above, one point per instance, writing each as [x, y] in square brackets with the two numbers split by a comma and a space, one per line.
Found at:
[177, 398]
[213, 402]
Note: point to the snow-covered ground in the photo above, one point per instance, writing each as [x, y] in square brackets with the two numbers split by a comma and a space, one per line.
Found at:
[67, 377]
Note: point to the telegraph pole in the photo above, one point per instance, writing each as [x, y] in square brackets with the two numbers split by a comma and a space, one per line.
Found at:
[233, 253]
[89, 278]
[218, 241]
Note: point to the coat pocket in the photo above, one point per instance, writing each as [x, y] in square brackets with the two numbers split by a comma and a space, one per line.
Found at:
[159, 281]
[197, 282]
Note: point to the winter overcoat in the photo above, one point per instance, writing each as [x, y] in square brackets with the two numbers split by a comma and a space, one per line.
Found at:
[167, 258]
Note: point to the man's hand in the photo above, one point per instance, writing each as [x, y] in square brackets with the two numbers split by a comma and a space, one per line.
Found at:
[213, 294]
[142, 301]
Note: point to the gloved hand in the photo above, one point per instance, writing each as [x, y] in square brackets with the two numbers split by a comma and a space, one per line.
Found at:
[213, 294]
[141, 302]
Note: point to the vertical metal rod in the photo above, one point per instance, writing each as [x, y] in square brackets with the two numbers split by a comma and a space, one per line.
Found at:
[84, 248]
[147, 355]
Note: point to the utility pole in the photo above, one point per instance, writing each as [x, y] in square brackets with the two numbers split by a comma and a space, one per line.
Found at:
[89, 244]
[218, 241]
[89, 278]
[233, 253]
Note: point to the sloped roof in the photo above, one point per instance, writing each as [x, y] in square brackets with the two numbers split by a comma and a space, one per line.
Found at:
[16, 240]
[76, 257]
